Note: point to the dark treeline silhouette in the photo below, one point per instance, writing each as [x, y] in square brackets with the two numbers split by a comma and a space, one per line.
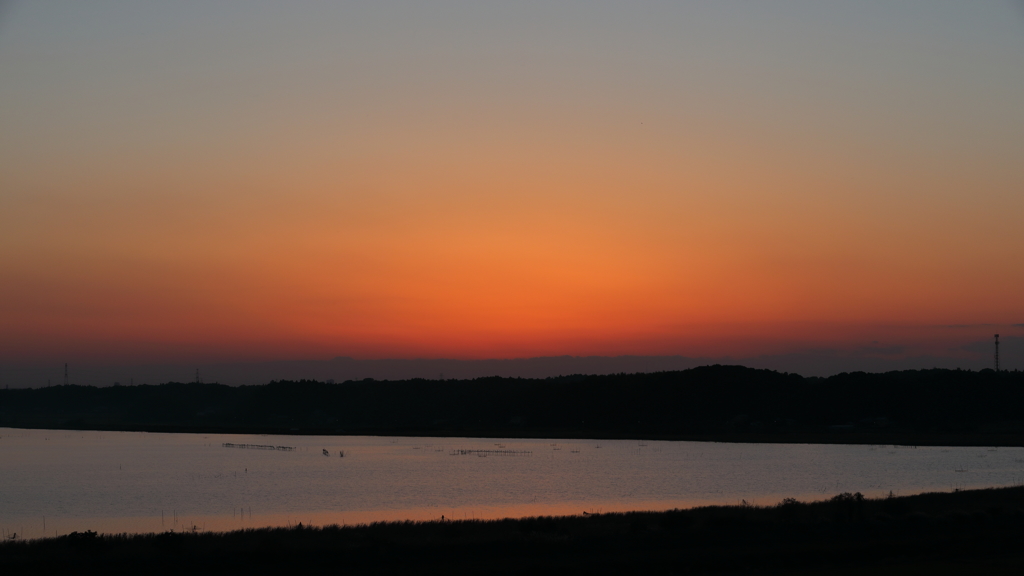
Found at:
[711, 402]
[968, 532]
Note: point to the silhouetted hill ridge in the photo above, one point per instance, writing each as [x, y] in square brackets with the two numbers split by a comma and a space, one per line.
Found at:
[705, 400]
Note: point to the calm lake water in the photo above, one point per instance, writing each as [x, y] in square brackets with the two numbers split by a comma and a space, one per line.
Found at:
[58, 481]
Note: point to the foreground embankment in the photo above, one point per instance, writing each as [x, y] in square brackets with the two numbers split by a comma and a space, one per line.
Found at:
[721, 403]
[977, 531]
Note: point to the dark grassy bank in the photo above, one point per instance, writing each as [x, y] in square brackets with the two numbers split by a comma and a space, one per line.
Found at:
[730, 403]
[979, 531]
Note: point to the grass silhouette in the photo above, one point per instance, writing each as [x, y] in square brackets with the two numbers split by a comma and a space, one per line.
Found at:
[936, 533]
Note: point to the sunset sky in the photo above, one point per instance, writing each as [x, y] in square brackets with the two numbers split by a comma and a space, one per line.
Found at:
[196, 181]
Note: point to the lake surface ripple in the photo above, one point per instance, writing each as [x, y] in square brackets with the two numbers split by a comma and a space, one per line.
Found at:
[59, 481]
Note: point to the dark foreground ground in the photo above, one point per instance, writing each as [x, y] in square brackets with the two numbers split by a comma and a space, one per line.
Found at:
[970, 532]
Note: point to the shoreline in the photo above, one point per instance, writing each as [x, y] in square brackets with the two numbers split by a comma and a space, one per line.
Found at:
[935, 533]
[857, 438]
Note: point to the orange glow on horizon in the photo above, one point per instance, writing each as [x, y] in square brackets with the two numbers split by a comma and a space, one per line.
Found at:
[483, 186]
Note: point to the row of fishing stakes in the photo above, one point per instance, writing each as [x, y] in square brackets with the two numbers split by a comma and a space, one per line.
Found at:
[241, 512]
[341, 453]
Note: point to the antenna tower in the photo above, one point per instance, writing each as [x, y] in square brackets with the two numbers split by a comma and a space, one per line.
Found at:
[197, 375]
[997, 352]
[65, 373]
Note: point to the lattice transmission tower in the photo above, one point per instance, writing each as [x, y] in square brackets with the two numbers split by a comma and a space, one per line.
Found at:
[997, 352]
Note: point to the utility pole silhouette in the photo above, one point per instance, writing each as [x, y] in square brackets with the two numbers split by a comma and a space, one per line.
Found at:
[997, 352]
[65, 373]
